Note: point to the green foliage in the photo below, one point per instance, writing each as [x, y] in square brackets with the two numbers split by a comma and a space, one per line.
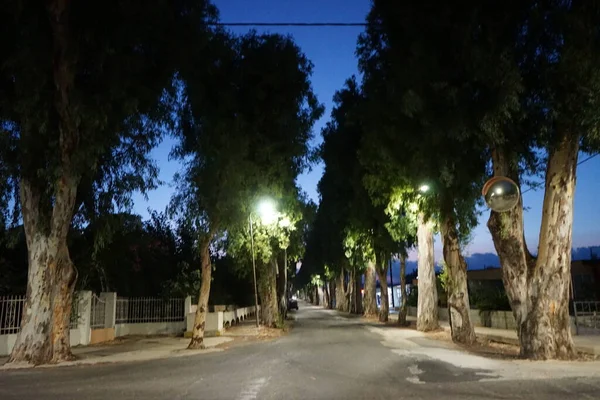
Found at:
[412, 298]
[350, 228]
[444, 278]
[120, 68]
[240, 134]
[489, 299]
[417, 102]
[288, 232]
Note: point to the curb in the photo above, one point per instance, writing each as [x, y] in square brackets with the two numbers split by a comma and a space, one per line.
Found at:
[591, 350]
[118, 358]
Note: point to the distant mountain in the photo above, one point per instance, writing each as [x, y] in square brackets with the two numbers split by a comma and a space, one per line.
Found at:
[586, 253]
[484, 260]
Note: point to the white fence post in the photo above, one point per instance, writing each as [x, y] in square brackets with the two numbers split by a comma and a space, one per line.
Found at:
[84, 316]
[110, 308]
[187, 308]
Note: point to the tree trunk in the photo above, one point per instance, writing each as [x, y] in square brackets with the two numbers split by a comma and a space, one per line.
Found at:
[384, 309]
[341, 295]
[538, 290]
[456, 285]
[350, 293]
[332, 295]
[267, 287]
[370, 298]
[44, 335]
[357, 294]
[197, 341]
[282, 286]
[325, 293]
[404, 299]
[427, 307]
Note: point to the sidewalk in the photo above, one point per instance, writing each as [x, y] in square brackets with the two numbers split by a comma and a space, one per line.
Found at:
[583, 344]
[132, 348]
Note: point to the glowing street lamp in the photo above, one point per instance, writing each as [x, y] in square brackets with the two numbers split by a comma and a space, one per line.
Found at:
[267, 211]
[424, 188]
[268, 214]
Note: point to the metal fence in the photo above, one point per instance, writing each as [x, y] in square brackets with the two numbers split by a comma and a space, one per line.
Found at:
[587, 317]
[98, 311]
[144, 309]
[11, 310]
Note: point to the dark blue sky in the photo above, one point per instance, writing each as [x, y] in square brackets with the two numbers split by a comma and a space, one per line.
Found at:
[331, 49]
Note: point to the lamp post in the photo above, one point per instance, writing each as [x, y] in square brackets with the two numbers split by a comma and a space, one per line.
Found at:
[267, 212]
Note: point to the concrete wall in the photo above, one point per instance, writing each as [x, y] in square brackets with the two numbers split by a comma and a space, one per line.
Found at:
[85, 335]
[7, 342]
[487, 319]
[216, 322]
[102, 335]
[150, 328]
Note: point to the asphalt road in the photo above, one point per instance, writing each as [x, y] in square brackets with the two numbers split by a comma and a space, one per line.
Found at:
[326, 356]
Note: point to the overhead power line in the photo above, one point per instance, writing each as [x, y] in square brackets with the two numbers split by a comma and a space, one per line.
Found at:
[578, 164]
[301, 24]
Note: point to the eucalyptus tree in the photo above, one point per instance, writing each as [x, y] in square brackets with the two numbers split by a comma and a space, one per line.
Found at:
[324, 243]
[84, 96]
[337, 188]
[418, 103]
[557, 55]
[245, 130]
[509, 78]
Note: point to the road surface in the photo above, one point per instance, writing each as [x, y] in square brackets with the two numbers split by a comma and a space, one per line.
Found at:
[326, 356]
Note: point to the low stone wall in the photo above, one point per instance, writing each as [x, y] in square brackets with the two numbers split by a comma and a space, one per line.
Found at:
[150, 328]
[102, 335]
[486, 319]
[216, 322]
[7, 342]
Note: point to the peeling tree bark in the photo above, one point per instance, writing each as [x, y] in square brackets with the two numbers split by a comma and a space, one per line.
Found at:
[341, 295]
[326, 293]
[282, 292]
[332, 295]
[458, 293]
[538, 290]
[384, 310]
[267, 286]
[404, 299]
[427, 310]
[197, 341]
[44, 335]
[370, 297]
[354, 287]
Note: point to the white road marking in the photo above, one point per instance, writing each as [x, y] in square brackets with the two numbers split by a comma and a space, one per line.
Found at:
[251, 391]
[415, 371]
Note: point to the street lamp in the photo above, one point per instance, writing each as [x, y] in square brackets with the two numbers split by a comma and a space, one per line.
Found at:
[267, 214]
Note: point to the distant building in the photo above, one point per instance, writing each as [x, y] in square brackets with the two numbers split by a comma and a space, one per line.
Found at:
[585, 275]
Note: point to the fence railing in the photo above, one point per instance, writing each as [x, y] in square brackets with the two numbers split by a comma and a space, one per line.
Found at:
[144, 309]
[11, 310]
[587, 317]
[98, 312]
